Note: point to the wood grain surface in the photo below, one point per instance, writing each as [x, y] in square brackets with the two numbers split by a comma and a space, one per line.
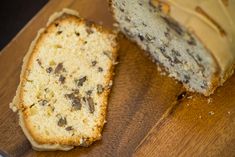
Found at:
[149, 114]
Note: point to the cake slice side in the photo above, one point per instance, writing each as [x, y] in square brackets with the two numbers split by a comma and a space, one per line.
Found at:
[64, 90]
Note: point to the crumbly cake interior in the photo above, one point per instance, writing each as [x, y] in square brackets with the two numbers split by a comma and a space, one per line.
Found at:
[170, 44]
[65, 93]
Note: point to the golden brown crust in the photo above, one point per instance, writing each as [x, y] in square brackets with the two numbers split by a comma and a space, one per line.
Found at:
[15, 105]
[76, 141]
[37, 146]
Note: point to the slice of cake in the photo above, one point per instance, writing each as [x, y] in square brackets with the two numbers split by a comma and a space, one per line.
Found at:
[65, 83]
[194, 40]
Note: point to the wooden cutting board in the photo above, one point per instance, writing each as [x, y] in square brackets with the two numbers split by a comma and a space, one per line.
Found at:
[147, 113]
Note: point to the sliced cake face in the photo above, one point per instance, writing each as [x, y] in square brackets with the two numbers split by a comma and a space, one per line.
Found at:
[65, 87]
[170, 44]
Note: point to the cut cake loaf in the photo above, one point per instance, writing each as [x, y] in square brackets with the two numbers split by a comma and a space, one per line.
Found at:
[65, 82]
[194, 40]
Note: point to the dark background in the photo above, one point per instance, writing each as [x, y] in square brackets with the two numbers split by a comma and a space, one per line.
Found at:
[14, 15]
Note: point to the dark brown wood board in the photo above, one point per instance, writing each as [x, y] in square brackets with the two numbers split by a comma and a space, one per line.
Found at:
[145, 115]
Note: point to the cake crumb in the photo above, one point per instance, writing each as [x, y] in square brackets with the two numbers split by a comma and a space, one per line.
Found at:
[229, 112]
[209, 100]
[190, 97]
[110, 83]
[115, 63]
[211, 113]
[200, 117]
[159, 69]
[115, 25]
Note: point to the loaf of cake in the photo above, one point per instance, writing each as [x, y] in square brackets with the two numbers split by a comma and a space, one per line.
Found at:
[194, 40]
[65, 82]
